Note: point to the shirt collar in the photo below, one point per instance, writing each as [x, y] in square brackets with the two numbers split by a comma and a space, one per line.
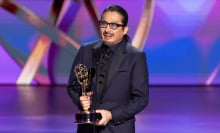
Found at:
[116, 46]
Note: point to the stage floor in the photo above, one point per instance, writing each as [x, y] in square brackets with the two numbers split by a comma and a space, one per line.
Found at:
[172, 109]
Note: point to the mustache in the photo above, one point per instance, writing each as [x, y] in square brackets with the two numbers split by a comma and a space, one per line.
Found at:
[105, 33]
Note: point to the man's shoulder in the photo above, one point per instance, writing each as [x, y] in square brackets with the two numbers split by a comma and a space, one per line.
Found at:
[132, 49]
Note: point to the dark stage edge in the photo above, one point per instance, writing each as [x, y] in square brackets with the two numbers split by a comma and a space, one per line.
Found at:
[172, 109]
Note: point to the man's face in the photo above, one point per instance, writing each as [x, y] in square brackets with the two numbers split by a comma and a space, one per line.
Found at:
[112, 36]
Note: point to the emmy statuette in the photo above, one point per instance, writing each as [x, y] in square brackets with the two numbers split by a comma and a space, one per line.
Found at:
[86, 116]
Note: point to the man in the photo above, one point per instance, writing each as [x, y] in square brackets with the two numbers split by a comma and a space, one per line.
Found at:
[121, 92]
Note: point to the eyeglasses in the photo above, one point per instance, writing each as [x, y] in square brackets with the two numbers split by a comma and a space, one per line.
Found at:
[113, 26]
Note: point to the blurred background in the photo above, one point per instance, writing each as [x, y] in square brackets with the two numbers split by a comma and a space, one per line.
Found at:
[39, 39]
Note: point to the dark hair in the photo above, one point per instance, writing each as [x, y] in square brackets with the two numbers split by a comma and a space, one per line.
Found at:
[120, 10]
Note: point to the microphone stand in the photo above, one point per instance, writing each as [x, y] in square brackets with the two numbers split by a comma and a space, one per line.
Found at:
[96, 54]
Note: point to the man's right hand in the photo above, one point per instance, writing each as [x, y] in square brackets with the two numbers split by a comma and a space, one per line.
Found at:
[86, 101]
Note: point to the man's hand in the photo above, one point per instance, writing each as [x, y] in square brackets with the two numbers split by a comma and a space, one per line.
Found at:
[86, 101]
[106, 117]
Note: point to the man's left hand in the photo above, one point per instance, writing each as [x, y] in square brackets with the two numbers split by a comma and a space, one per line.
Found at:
[106, 117]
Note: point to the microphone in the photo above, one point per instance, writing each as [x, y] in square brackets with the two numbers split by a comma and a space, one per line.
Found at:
[96, 56]
[91, 74]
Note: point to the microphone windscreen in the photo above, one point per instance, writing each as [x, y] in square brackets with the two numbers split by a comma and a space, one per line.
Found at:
[92, 72]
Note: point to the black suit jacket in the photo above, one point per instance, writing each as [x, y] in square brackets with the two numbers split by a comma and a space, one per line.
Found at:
[126, 92]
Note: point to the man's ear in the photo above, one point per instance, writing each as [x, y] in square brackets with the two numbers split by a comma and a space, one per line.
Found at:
[125, 30]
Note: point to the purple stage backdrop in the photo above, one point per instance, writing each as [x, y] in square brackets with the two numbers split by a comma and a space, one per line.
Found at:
[38, 41]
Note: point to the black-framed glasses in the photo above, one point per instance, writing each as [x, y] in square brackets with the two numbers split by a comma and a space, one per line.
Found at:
[113, 26]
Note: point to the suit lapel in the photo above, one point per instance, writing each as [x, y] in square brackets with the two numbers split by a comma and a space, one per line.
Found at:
[116, 62]
[96, 52]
